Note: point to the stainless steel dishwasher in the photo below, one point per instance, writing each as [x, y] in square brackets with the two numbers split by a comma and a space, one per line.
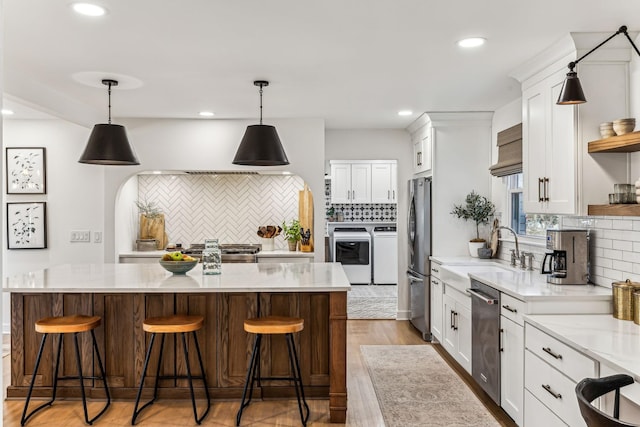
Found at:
[485, 338]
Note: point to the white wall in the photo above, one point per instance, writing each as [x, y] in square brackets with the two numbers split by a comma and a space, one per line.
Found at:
[384, 145]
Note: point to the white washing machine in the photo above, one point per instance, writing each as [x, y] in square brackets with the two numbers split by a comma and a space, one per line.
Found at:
[352, 248]
[385, 255]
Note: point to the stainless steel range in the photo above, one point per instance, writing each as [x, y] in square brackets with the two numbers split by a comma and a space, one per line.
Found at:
[231, 252]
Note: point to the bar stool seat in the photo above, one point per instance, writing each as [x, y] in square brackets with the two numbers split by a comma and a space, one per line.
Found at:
[274, 325]
[177, 324]
[72, 324]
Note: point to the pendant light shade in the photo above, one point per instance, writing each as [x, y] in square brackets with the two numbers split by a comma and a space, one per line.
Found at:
[108, 143]
[260, 145]
[571, 92]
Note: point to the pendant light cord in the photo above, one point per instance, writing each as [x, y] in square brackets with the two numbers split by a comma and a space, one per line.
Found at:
[109, 102]
[261, 104]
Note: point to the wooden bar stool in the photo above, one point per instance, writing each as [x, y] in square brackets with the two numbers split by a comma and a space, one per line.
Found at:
[181, 324]
[274, 325]
[67, 325]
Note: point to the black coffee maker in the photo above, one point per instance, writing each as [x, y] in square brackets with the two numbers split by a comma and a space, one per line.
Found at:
[567, 259]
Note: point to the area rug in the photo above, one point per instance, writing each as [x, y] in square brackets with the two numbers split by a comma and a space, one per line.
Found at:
[416, 388]
[372, 302]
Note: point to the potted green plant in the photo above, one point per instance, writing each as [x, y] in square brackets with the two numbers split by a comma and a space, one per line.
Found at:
[291, 233]
[478, 209]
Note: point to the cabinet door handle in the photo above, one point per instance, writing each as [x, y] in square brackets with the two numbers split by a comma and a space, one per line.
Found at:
[388, 194]
[500, 340]
[506, 307]
[451, 320]
[394, 194]
[546, 189]
[353, 194]
[455, 320]
[540, 182]
[419, 158]
[551, 392]
[552, 353]
[435, 282]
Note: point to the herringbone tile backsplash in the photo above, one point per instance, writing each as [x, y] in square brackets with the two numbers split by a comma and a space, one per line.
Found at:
[227, 207]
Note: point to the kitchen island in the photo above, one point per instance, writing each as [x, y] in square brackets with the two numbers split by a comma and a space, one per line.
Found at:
[125, 294]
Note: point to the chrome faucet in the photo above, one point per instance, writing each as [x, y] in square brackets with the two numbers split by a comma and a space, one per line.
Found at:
[515, 236]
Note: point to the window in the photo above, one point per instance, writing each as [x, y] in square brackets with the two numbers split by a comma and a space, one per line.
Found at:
[533, 225]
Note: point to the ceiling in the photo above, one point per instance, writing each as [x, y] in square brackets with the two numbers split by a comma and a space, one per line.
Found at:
[354, 63]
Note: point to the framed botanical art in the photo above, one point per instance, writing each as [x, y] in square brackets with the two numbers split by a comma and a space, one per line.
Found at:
[26, 170]
[27, 225]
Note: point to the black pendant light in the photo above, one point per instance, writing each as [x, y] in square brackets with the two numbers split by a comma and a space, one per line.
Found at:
[260, 145]
[108, 143]
[571, 92]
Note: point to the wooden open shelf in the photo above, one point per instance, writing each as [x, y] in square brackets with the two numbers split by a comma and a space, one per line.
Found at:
[632, 209]
[627, 143]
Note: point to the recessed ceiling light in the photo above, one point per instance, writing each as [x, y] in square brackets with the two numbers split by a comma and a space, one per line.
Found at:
[472, 42]
[206, 114]
[405, 113]
[6, 112]
[89, 9]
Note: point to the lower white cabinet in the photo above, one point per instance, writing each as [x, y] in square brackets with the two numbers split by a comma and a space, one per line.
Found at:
[511, 369]
[538, 415]
[629, 398]
[456, 331]
[436, 308]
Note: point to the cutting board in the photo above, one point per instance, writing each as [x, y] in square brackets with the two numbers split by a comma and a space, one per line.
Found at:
[305, 215]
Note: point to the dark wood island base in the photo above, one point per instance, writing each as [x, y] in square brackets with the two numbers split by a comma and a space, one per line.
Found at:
[226, 347]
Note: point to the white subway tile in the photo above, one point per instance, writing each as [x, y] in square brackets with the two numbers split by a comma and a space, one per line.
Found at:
[596, 271]
[636, 246]
[626, 267]
[602, 223]
[604, 243]
[598, 252]
[636, 268]
[622, 224]
[636, 225]
[631, 256]
[614, 234]
[612, 274]
[622, 245]
[612, 254]
[603, 262]
[633, 236]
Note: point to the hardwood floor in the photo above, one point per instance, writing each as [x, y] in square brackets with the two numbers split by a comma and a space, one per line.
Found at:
[363, 408]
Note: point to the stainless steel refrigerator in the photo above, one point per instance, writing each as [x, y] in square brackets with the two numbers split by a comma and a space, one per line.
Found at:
[419, 228]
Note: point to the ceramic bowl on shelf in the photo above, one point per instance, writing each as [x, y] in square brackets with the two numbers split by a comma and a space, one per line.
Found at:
[178, 267]
[623, 126]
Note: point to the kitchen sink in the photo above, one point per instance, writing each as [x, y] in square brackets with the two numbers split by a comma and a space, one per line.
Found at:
[458, 275]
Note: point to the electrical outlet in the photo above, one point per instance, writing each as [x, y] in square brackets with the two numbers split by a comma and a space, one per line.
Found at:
[97, 236]
[80, 236]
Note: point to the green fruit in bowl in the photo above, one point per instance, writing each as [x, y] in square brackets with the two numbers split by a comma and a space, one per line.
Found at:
[176, 256]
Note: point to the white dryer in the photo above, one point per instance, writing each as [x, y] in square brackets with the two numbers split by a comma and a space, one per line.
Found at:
[385, 255]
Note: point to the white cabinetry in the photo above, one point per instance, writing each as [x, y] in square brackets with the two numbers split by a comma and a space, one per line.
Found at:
[437, 294]
[364, 181]
[512, 357]
[456, 331]
[552, 370]
[422, 150]
[549, 148]
[384, 183]
[629, 398]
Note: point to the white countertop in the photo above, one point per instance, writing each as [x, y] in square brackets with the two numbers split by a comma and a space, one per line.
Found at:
[249, 277]
[524, 285]
[261, 254]
[602, 337]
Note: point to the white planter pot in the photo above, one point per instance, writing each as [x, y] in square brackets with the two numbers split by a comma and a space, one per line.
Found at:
[267, 244]
[474, 246]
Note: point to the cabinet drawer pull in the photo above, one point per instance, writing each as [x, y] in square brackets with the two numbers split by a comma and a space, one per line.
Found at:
[546, 189]
[388, 194]
[552, 353]
[506, 307]
[435, 270]
[435, 282]
[540, 198]
[551, 392]
[393, 192]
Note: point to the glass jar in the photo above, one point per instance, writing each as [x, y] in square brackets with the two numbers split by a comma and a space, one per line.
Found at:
[211, 257]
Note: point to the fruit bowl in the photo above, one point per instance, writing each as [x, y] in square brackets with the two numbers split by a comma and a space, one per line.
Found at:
[178, 267]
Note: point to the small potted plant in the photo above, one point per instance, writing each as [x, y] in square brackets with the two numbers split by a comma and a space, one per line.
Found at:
[292, 234]
[478, 209]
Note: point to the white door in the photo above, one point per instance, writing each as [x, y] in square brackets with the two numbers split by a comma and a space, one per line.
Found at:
[463, 324]
[341, 183]
[534, 147]
[436, 308]
[512, 369]
[361, 183]
[449, 335]
[381, 183]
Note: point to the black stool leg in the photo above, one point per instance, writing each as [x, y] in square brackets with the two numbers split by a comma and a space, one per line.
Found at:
[136, 412]
[25, 417]
[297, 379]
[80, 377]
[204, 377]
[189, 377]
[249, 379]
[104, 378]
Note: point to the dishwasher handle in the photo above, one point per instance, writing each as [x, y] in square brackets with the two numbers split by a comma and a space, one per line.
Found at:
[483, 297]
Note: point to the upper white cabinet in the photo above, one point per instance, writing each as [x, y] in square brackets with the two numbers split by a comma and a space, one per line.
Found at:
[384, 183]
[423, 150]
[549, 148]
[364, 181]
[560, 175]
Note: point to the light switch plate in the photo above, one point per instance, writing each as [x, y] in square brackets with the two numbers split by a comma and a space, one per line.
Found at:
[97, 237]
[80, 236]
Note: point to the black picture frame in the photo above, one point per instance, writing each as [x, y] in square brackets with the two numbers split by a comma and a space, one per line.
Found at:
[27, 225]
[26, 170]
